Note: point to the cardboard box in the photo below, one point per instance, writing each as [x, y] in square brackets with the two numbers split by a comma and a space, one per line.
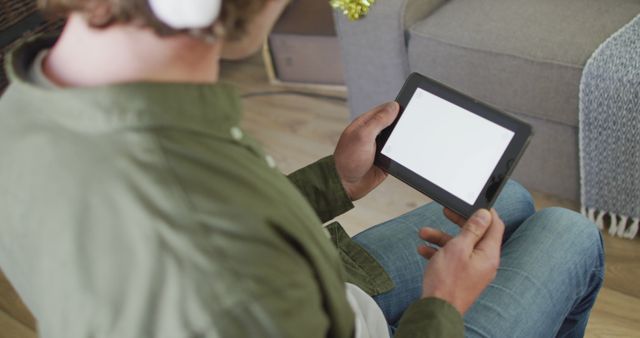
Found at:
[303, 48]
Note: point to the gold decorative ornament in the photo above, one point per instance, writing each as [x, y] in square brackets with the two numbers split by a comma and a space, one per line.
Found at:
[353, 9]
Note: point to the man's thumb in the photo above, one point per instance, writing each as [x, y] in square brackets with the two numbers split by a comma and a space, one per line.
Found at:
[383, 118]
[475, 228]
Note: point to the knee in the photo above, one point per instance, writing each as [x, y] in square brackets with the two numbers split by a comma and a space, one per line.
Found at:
[515, 203]
[576, 232]
[515, 191]
[570, 223]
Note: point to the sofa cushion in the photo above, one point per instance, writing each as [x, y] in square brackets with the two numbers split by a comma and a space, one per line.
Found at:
[523, 56]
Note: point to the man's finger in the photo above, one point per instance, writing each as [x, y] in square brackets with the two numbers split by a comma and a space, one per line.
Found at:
[492, 240]
[427, 251]
[453, 217]
[435, 236]
[476, 227]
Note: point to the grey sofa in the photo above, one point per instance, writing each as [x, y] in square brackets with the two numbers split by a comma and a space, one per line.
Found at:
[522, 56]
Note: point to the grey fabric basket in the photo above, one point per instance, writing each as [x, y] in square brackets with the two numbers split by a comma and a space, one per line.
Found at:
[20, 19]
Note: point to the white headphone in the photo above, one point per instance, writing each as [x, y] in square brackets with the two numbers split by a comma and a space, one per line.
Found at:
[186, 14]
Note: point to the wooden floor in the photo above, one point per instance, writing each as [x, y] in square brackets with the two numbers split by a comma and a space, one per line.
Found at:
[297, 130]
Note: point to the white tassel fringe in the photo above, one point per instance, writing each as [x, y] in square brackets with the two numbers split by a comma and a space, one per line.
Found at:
[600, 220]
[619, 225]
[633, 229]
[622, 226]
[613, 224]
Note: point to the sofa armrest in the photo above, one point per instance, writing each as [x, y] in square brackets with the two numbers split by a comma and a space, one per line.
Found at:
[374, 50]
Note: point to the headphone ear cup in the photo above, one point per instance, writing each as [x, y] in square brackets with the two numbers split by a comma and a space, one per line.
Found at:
[186, 14]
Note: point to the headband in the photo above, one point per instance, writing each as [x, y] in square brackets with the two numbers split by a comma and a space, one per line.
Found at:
[186, 14]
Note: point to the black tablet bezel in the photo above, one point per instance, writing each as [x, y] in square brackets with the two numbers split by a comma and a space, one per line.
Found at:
[500, 174]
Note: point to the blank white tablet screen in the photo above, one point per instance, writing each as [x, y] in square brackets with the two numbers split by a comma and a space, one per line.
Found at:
[446, 144]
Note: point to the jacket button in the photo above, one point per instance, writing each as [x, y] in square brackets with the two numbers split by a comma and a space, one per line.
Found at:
[270, 161]
[236, 133]
[326, 232]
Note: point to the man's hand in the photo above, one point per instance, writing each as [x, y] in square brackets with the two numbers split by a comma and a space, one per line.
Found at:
[464, 265]
[356, 150]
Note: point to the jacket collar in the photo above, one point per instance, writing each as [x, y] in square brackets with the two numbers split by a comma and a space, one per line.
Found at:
[196, 106]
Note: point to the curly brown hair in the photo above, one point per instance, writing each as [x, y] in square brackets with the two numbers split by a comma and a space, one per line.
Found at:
[232, 22]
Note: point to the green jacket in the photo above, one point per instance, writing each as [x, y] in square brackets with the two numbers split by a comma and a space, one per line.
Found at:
[142, 210]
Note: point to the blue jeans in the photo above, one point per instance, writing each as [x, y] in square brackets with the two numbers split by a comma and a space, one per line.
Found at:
[551, 268]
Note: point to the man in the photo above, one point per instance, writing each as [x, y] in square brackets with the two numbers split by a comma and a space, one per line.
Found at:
[133, 205]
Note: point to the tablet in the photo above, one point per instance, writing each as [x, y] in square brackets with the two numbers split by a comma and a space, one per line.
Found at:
[454, 149]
